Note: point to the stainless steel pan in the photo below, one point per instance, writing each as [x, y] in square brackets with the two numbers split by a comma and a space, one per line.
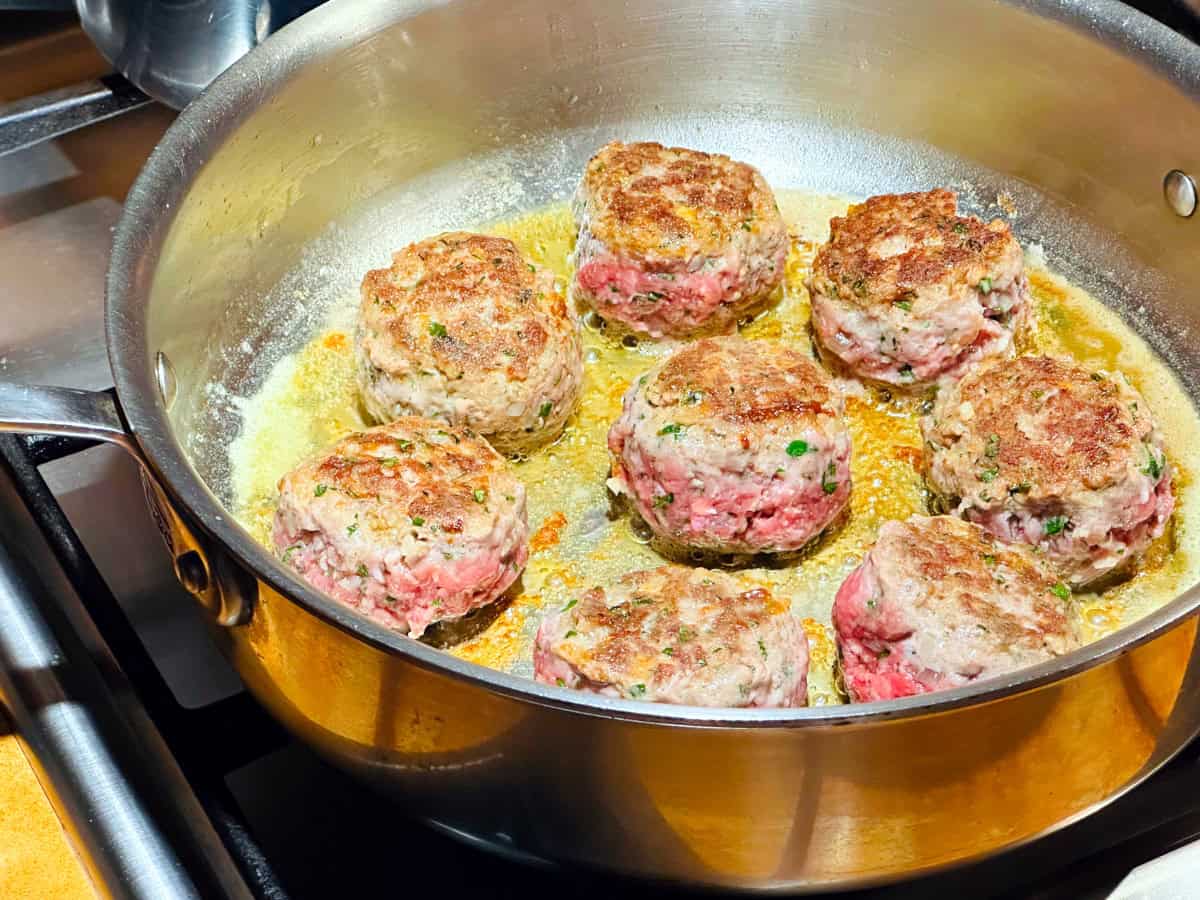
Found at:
[398, 118]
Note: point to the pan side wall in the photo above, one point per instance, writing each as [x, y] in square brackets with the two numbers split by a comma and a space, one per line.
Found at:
[761, 808]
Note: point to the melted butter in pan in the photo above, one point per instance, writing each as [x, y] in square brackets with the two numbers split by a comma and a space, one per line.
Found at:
[579, 539]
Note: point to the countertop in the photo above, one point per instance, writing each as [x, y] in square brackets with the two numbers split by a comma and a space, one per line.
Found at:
[36, 858]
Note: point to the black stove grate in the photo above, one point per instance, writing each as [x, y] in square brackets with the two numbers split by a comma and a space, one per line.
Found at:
[188, 732]
[212, 743]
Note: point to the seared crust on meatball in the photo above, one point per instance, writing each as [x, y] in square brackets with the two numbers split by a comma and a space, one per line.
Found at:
[410, 523]
[675, 241]
[677, 635]
[463, 329]
[938, 603]
[907, 291]
[1043, 451]
[733, 446]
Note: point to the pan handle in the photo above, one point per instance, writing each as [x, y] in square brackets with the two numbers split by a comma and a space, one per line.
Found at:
[38, 409]
[36, 119]
[216, 581]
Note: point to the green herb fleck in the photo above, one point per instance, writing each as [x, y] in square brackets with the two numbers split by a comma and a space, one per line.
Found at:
[531, 267]
[985, 285]
[872, 603]
[571, 633]
[906, 371]
[989, 474]
[560, 682]
[654, 295]
[745, 226]
[404, 445]
[320, 490]
[1023, 488]
[351, 528]
[685, 634]
[797, 448]
[570, 604]
[1061, 591]
[828, 482]
[418, 521]
[544, 410]
[989, 559]
[479, 494]
[762, 648]
[673, 428]
[883, 654]
[437, 329]
[905, 305]
[1055, 524]
[287, 554]
[668, 651]
[661, 501]
[362, 571]
[637, 690]
[1153, 466]
[389, 462]
[960, 228]
[992, 450]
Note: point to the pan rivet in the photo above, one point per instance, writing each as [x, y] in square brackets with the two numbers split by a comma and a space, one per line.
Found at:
[1180, 191]
[165, 373]
[191, 571]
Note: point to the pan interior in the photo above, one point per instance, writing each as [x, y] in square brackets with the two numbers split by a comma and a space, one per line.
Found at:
[346, 162]
[300, 395]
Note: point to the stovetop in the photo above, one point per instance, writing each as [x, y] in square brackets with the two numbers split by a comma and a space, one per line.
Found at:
[293, 826]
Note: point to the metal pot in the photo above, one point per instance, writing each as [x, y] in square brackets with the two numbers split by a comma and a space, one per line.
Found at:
[169, 50]
[1075, 108]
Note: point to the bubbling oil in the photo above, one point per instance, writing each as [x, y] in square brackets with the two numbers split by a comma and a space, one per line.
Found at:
[579, 539]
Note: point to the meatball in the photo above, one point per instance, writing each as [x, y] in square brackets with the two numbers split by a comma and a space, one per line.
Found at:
[733, 446]
[677, 635]
[938, 603]
[410, 523]
[1043, 451]
[463, 329]
[908, 292]
[672, 241]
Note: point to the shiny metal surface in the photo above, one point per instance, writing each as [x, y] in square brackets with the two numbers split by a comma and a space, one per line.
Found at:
[220, 587]
[471, 109]
[170, 50]
[59, 204]
[1180, 192]
[128, 809]
[36, 119]
[64, 411]
[173, 50]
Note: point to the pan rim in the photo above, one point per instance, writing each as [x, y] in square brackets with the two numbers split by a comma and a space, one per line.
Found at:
[149, 213]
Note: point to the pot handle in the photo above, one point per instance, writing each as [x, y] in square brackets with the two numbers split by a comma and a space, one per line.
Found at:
[29, 122]
[220, 585]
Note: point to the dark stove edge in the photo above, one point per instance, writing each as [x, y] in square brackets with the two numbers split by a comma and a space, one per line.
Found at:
[128, 808]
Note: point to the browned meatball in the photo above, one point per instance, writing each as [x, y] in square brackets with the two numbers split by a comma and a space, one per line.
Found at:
[907, 291]
[675, 241]
[463, 329]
